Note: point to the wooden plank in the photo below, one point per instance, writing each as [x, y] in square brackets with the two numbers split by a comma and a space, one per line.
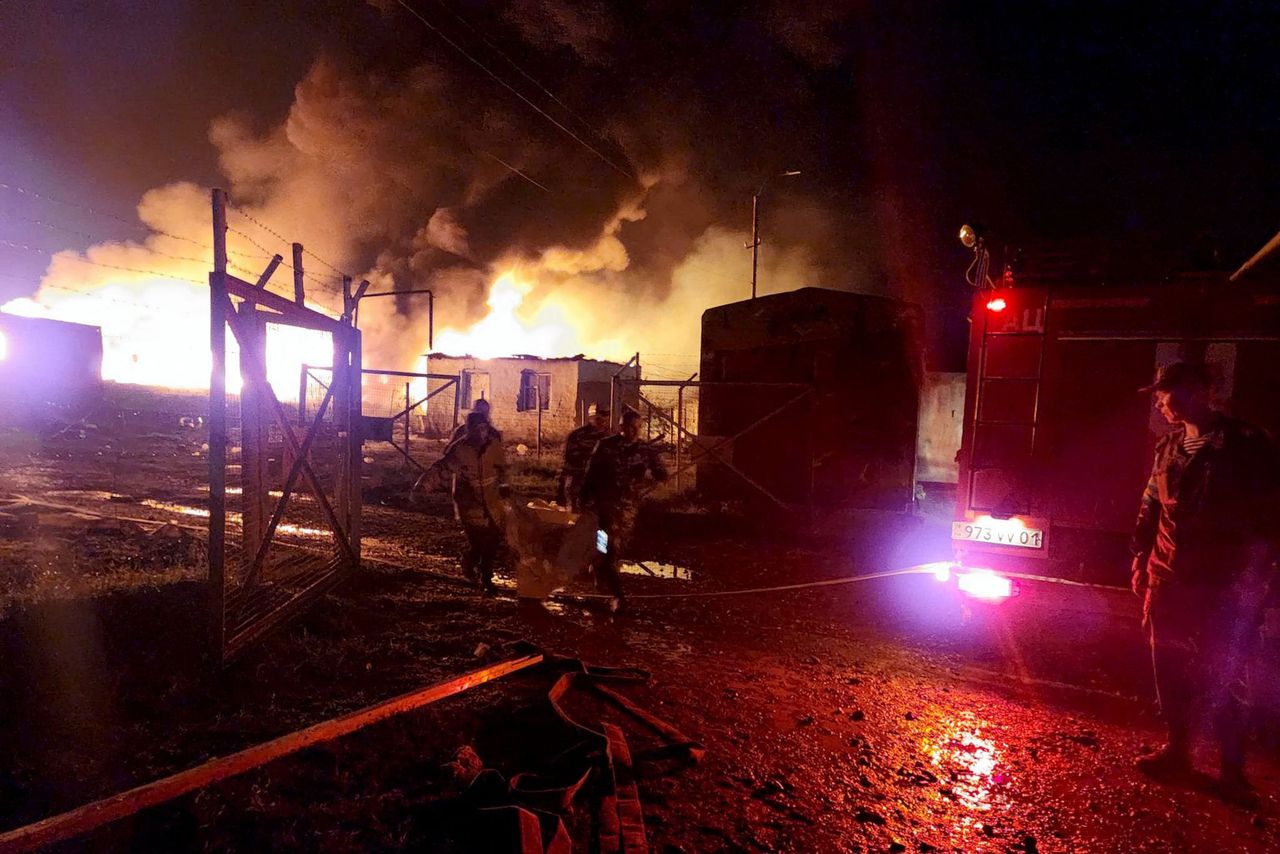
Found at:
[290, 312]
[271, 268]
[83, 819]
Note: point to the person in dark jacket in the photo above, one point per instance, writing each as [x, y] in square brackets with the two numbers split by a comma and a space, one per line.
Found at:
[477, 468]
[484, 409]
[578, 447]
[612, 488]
[1203, 553]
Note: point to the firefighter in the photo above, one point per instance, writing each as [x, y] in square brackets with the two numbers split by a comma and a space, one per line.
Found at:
[477, 466]
[612, 488]
[578, 448]
[481, 406]
[1204, 547]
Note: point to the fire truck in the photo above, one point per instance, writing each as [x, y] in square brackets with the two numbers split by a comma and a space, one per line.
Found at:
[1058, 442]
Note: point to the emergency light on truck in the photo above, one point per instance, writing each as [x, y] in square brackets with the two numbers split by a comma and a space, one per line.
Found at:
[975, 582]
[984, 584]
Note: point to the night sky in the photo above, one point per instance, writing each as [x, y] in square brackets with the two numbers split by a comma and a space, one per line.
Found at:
[1143, 124]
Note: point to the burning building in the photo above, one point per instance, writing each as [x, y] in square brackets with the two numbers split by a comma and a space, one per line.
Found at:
[527, 394]
[48, 361]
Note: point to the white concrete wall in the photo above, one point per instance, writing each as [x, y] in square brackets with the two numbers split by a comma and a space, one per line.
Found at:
[560, 416]
[940, 427]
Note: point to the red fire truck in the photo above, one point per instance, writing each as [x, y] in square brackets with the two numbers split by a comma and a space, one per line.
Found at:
[1058, 441]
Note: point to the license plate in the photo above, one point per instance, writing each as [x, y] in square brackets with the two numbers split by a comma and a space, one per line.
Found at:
[998, 535]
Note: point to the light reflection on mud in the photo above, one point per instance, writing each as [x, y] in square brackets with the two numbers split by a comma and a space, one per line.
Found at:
[233, 517]
[973, 763]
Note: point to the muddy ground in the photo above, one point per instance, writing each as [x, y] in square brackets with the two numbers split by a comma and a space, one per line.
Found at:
[876, 716]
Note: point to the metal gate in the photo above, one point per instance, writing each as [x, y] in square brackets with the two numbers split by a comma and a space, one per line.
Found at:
[695, 449]
[383, 427]
[262, 583]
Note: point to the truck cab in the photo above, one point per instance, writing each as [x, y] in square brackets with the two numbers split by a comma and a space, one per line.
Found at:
[1058, 442]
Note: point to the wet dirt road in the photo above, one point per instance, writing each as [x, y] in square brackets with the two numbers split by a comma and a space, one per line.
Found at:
[866, 717]
[873, 718]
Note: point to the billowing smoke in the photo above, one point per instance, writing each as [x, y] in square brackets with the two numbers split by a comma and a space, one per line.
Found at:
[415, 177]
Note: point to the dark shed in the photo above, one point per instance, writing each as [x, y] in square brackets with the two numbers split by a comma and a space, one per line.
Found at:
[850, 442]
[48, 361]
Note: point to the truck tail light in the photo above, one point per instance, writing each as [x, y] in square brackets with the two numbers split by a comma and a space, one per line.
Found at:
[985, 584]
[997, 304]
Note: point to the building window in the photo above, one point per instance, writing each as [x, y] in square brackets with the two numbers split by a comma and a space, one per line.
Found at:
[535, 391]
[474, 385]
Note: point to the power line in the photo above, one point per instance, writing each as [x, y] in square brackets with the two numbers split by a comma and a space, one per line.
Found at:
[269, 230]
[74, 257]
[134, 225]
[517, 171]
[513, 64]
[620, 170]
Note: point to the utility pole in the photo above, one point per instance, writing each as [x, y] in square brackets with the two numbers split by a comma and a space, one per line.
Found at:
[754, 245]
[755, 237]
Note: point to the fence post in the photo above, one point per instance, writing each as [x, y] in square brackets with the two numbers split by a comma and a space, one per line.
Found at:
[218, 422]
[679, 431]
[408, 402]
[299, 295]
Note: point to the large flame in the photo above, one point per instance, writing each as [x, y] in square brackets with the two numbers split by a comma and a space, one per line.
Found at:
[507, 330]
[155, 332]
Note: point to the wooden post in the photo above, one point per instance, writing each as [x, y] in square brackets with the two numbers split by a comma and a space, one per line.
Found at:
[537, 403]
[218, 421]
[457, 402]
[346, 297]
[302, 394]
[355, 441]
[253, 432]
[408, 410]
[298, 295]
[339, 382]
[679, 428]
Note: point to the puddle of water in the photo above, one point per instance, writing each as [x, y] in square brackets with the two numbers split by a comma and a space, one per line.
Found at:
[957, 745]
[232, 516]
[667, 571]
[95, 494]
[296, 495]
[182, 509]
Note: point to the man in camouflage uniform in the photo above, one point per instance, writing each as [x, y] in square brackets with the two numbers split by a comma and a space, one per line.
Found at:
[578, 448]
[1203, 553]
[477, 466]
[611, 487]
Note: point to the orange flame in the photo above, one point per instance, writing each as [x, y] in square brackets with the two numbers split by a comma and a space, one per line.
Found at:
[507, 330]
